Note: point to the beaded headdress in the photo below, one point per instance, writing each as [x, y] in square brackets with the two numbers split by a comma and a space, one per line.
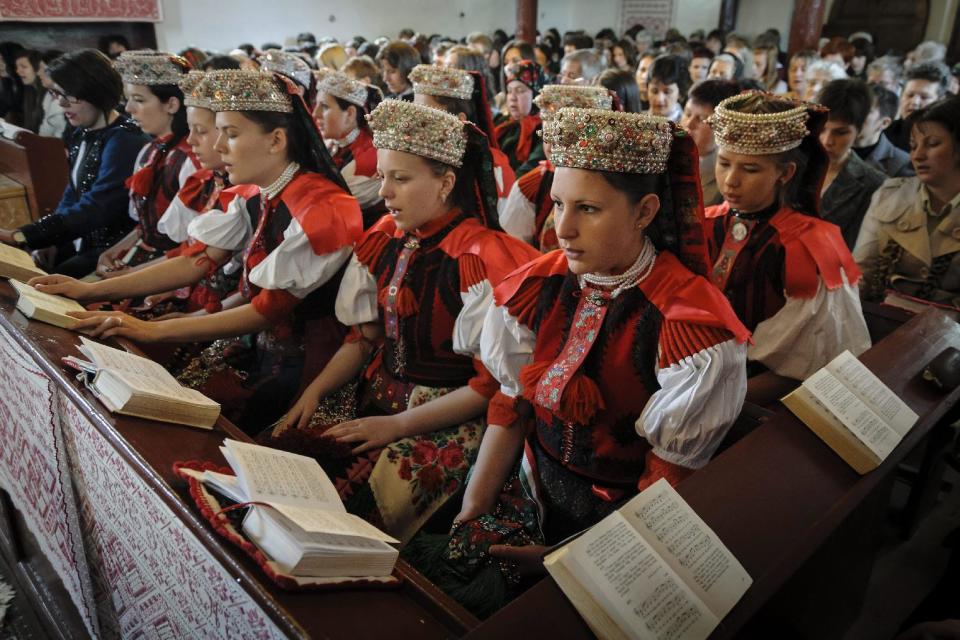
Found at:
[557, 96]
[150, 67]
[340, 85]
[759, 133]
[601, 140]
[190, 86]
[413, 128]
[238, 90]
[431, 80]
[289, 64]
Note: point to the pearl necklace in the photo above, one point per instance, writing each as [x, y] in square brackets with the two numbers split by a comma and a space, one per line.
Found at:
[633, 276]
[348, 139]
[277, 186]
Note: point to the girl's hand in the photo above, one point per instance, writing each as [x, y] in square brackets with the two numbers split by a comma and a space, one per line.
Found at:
[61, 286]
[368, 433]
[104, 324]
[298, 417]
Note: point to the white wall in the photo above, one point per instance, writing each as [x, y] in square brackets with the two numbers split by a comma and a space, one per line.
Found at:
[223, 24]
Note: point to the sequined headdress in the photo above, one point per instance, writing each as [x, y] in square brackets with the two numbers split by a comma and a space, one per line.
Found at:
[759, 133]
[342, 86]
[431, 80]
[289, 64]
[190, 86]
[601, 140]
[151, 67]
[557, 96]
[770, 133]
[409, 127]
[238, 90]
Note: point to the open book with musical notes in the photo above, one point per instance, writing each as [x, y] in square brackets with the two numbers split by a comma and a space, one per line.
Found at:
[296, 516]
[652, 569]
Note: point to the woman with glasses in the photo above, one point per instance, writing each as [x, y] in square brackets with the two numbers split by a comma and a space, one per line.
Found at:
[92, 213]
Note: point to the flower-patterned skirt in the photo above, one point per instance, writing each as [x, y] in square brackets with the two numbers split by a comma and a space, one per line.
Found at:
[397, 487]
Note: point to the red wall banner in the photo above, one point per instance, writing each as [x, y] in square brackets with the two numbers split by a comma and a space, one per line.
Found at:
[81, 10]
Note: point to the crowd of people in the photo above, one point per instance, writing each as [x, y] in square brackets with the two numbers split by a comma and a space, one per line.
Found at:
[496, 287]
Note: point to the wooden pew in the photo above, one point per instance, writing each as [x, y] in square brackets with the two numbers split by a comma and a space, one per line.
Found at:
[801, 521]
[179, 578]
[38, 163]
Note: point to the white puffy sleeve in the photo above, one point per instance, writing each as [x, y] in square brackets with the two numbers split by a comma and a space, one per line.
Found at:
[506, 346]
[807, 333]
[357, 298]
[518, 217]
[366, 189]
[176, 219]
[228, 230]
[294, 266]
[699, 399]
[468, 327]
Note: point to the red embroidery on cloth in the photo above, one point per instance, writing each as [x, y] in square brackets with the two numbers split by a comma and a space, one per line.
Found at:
[391, 314]
[737, 238]
[587, 322]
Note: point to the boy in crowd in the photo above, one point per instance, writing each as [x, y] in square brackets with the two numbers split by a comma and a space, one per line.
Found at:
[872, 144]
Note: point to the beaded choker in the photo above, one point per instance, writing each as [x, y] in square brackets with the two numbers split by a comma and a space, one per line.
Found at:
[633, 276]
[271, 192]
[348, 139]
[763, 214]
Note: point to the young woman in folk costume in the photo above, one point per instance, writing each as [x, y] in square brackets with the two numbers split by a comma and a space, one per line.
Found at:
[518, 125]
[295, 224]
[295, 68]
[528, 211]
[342, 108]
[415, 294]
[199, 194]
[788, 274]
[155, 102]
[463, 94]
[619, 362]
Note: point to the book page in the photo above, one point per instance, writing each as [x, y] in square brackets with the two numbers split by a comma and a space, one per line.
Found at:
[872, 392]
[281, 478]
[314, 520]
[689, 546]
[866, 425]
[147, 383]
[634, 586]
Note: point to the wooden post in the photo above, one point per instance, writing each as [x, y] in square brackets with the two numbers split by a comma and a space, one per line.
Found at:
[806, 24]
[527, 20]
[728, 15]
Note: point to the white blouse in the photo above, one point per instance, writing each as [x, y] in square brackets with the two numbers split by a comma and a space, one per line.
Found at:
[518, 217]
[807, 333]
[684, 421]
[357, 303]
[292, 266]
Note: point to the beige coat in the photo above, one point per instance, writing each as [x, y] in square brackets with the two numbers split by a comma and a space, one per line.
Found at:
[900, 213]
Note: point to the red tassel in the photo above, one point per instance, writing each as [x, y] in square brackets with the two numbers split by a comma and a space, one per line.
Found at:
[581, 400]
[406, 302]
[530, 376]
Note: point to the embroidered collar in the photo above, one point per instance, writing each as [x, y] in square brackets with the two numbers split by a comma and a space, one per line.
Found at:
[763, 214]
[348, 139]
[433, 227]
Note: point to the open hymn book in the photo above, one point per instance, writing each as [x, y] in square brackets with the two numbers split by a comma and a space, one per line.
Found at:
[851, 410]
[137, 386]
[651, 570]
[45, 307]
[297, 518]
